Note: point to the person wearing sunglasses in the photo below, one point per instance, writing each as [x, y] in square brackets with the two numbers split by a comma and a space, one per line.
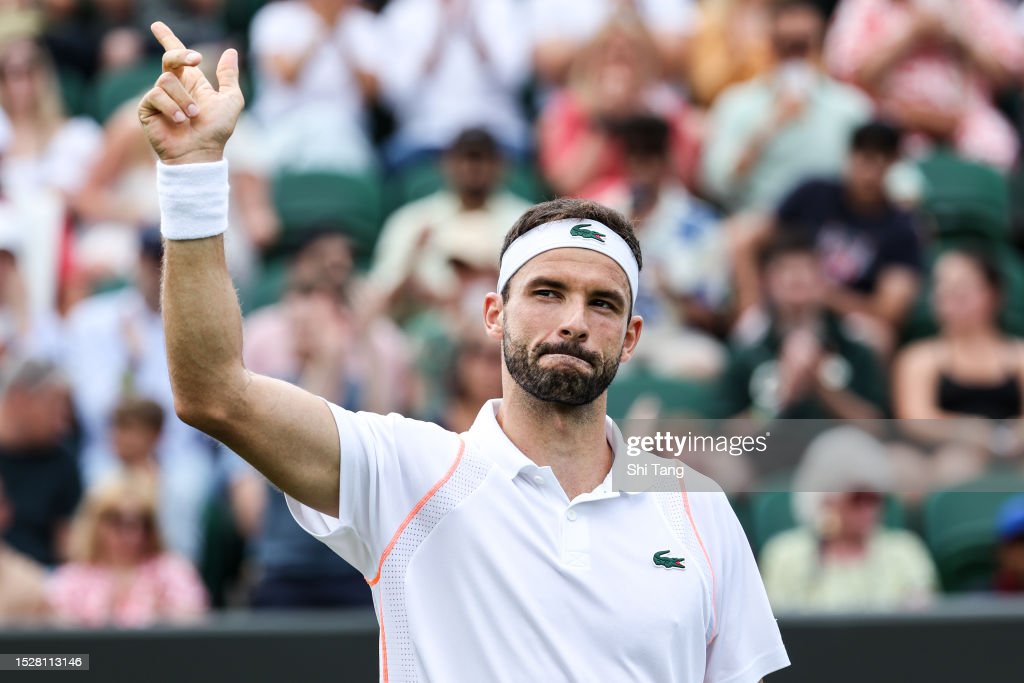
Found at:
[842, 557]
[119, 573]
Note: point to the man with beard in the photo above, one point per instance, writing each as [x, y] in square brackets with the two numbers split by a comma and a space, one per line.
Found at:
[502, 553]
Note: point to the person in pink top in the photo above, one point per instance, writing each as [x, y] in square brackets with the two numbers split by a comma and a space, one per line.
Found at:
[614, 78]
[933, 65]
[120, 575]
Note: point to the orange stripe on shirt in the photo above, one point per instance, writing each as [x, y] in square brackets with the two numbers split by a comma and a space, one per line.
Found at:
[714, 590]
[419, 505]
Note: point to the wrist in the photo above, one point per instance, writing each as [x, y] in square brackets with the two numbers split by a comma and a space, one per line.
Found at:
[193, 198]
[199, 156]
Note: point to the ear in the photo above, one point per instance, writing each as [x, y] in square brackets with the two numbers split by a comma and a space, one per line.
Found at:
[633, 329]
[494, 315]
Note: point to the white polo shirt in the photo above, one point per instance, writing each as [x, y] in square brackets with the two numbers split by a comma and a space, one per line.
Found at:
[483, 570]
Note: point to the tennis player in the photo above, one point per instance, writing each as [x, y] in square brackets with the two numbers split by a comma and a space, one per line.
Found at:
[499, 554]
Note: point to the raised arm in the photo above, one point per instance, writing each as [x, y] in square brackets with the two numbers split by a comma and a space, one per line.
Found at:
[285, 432]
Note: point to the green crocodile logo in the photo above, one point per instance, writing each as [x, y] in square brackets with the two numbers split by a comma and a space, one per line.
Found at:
[667, 562]
[581, 231]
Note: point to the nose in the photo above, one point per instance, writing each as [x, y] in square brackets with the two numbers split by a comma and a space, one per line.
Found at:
[574, 326]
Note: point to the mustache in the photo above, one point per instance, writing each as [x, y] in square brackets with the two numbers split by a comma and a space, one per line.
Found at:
[569, 349]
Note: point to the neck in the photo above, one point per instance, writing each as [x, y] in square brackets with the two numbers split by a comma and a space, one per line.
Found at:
[471, 201]
[975, 335]
[569, 439]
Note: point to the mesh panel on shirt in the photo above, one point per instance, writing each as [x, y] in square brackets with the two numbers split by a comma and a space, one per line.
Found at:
[673, 507]
[401, 655]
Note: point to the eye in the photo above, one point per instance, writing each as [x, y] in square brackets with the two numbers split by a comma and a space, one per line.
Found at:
[545, 293]
[603, 303]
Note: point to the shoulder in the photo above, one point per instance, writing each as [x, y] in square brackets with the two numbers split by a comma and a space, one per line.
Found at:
[420, 211]
[847, 97]
[918, 356]
[901, 544]
[170, 566]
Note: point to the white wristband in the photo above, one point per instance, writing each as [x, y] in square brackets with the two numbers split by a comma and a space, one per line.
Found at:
[193, 199]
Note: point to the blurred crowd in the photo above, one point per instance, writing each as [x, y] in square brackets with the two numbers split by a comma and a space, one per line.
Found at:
[826, 194]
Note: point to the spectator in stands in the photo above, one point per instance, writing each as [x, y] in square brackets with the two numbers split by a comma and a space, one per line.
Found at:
[28, 327]
[321, 330]
[40, 473]
[1009, 575]
[22, 580]
[119, 573]
[797, 359]
[46, 151]
[971, 374]
[410, 262]
[869, 247]
[614, 77]
[314, 62]
[731, 44]
[768, 134]
[311, 339]
[114, 346]
[135, 428]
[561, 29]
[841, 557]
[474, 377]
[933, 66]
[453, 65]
[684, 283]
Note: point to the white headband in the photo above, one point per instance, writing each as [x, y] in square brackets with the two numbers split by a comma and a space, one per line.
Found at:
[569, 232]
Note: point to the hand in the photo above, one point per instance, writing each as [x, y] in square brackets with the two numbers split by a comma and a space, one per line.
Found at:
[184, 118]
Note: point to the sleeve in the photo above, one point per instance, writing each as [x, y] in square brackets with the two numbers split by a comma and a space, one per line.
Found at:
[504, 26]
[389, 463]
[70, 491]
[905, 246]
[364, 40]
[746, 644]
[183, 592]
[391, 256]
[727, 137]
[845, 46]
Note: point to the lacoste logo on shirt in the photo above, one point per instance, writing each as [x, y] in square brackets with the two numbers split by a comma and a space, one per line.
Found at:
[667, 562]
[581, 231]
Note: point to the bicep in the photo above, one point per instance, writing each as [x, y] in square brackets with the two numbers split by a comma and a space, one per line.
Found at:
[290, 436]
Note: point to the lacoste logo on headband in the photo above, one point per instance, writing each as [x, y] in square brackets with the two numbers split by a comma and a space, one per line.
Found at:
[581, 231]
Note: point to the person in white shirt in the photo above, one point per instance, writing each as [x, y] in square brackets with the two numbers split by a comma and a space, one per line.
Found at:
[503, 553]
[313, 74]
[561, 27]
[410, 250]
[452, 65]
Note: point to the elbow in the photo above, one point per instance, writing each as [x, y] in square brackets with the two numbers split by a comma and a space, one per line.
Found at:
[208, 416]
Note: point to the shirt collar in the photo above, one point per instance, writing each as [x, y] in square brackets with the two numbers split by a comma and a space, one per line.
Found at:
[511, 461]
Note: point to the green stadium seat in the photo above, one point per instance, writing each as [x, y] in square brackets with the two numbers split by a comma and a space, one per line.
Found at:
[676, 396]
[313, 200]
[73, 92]
[965, 197]
[222, 552]
[959, 528]
[115, 88]
[267, 288]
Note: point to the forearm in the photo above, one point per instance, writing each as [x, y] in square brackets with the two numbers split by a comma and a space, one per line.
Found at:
[203, 328]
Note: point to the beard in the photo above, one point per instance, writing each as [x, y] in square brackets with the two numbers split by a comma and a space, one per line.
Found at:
[568, 386]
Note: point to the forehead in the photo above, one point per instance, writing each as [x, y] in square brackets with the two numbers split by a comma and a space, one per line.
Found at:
[575, 268]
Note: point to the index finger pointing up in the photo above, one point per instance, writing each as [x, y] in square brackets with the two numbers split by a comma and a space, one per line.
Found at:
[166, 36]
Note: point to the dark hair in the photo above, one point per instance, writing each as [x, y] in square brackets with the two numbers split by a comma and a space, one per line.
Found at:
[986, 265]
[780, 7]
[138, 410]
[876, 136]
[566, 207]
[645, 136]
[476, 143]
[786, 241]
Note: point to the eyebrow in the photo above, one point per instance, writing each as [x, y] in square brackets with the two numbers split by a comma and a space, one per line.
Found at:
[610, 294]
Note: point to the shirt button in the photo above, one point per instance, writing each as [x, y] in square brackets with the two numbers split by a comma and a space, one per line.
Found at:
[538, 480]
[571, 515]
